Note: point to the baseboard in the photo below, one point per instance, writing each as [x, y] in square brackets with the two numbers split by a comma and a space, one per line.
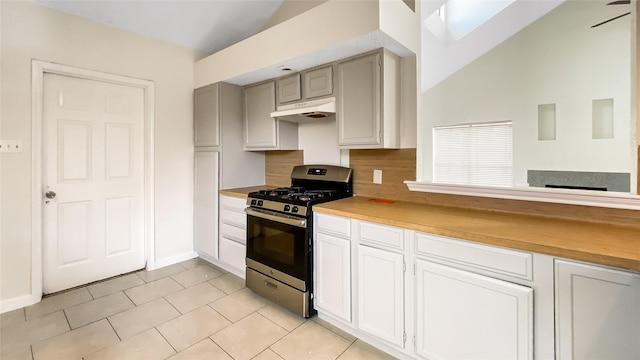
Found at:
[174, 260]
[17, 303]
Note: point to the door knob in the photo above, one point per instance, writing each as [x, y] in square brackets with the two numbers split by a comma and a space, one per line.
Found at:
[50, 195]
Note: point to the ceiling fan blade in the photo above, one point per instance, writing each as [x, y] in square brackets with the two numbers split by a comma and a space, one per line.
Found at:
[606, 21]
[620, 2]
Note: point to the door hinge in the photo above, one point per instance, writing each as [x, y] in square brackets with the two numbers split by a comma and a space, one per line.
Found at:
[415, 345]
[404, 338]
[414, 269]
[404, 266]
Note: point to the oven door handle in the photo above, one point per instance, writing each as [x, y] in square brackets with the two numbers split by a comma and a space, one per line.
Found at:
[273, 216]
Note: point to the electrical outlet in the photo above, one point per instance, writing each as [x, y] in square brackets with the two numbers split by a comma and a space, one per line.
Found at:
[10, 146]
[377, 176]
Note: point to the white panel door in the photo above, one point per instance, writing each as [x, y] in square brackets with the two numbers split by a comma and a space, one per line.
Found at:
[94, 163]
[597, 312]
[462, 315]
[381, 294]
[205, 199]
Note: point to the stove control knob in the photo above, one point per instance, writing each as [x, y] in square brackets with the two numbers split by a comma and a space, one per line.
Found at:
[287, 207]
[295, 209]
[254, 202]
[260, 202]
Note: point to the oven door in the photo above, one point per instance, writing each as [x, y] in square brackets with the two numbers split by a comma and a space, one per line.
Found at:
[279, 242]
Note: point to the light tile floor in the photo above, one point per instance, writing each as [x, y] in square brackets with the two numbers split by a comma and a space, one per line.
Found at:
[192, 310]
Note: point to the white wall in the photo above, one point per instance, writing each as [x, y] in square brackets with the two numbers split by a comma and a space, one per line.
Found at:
[557, 60]
[30, 31]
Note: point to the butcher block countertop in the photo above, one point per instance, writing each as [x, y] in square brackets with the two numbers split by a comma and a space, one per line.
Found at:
[243, 192]
[610, 245]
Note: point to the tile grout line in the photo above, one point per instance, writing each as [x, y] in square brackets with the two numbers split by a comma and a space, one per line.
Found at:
[218, 345]
[165, 339]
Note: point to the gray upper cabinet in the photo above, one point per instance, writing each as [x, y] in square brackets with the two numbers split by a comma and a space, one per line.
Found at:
[307, 85]
[368, 101]
[289, 89]
[318, 82]
[261, 131]
[207, 116]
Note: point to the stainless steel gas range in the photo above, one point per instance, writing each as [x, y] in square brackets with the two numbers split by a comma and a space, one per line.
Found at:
[280, 234]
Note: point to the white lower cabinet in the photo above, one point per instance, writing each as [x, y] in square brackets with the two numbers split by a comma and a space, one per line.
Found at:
[333, 276]
[381, 294]
[597, 312]
[233, 232]
[462, 315]
[466, 300]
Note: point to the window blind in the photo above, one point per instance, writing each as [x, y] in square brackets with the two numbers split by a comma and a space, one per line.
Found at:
[474, 154]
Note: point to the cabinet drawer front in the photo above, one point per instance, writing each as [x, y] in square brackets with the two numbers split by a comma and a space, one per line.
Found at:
[499, 260]
[334, 225]
[232, 202]
[233, 217]
[232, 253]
[381, 235]
[235, 233]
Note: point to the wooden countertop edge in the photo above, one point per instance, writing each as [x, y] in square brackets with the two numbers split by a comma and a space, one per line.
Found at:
[627, 263]
[242, 192]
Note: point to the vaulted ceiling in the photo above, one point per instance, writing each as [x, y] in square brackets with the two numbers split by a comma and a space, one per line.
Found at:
[207, 25]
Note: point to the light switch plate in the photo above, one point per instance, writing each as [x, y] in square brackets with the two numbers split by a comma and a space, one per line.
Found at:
[377, 176]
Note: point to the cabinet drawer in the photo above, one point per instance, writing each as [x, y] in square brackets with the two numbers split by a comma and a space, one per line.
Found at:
[381, 235]
[235, 233]
[232, 202]
[333, 225]
[232, 253]
[233, 217]
[499, 260]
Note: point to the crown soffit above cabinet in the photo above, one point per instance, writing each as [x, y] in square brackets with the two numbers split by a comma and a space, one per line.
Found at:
[332, 31]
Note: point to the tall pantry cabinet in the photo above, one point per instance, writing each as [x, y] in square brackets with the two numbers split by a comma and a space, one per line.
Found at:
[219, 160]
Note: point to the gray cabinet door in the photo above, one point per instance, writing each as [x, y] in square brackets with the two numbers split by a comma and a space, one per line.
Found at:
[318, 82]
[205, 204]
[289, 89]
[359, 105]
[207, 116]
[260, 130]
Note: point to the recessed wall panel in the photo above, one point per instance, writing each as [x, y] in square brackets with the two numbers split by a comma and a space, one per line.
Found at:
[74, 147]
[602, 119]
[74, 232]
[118, 225]
[118, 151]
[547, 122]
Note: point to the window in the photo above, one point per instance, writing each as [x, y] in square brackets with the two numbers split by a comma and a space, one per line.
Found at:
[473, 154]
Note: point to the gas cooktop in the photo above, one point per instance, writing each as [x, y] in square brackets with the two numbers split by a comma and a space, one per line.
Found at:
[310, 185]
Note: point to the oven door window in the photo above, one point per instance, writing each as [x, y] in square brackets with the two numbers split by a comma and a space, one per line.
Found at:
[277, 245]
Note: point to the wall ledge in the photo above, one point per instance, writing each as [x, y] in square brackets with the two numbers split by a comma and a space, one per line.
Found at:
[560, 196]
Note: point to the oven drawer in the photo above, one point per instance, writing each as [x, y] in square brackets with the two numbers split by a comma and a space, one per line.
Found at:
[375, 234]
[333, 225]
[484, 257]
[233, 232]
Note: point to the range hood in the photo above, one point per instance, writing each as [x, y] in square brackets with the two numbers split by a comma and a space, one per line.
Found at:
[307, 111]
